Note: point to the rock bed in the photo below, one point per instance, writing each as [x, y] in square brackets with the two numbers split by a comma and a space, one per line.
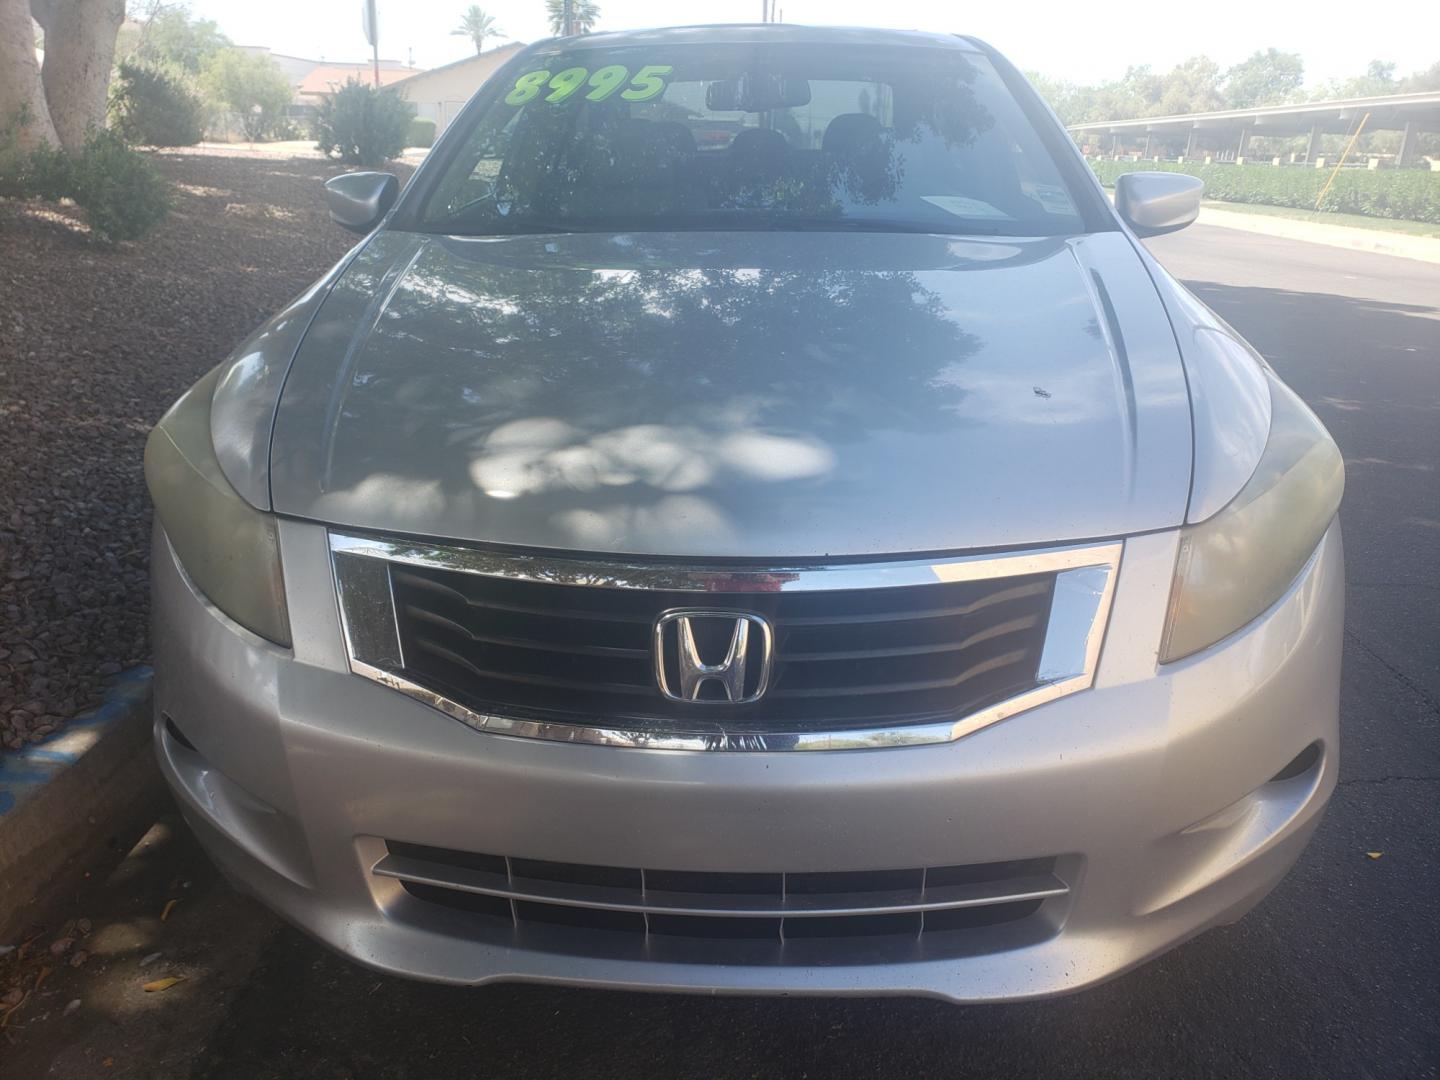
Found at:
[94, 345]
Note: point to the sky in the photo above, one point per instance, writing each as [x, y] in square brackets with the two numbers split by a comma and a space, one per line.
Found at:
[1064, 39]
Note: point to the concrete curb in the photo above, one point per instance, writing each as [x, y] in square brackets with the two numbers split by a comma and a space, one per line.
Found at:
[1423, 248]
[63, 801]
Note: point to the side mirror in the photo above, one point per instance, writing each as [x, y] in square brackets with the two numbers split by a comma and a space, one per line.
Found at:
[358, 200]
[1153, 203]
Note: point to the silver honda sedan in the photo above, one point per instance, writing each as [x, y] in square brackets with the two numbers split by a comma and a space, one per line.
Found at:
[750, 517]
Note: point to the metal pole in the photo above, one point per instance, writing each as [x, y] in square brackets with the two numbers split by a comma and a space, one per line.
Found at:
[1350, 146]
[374, 29]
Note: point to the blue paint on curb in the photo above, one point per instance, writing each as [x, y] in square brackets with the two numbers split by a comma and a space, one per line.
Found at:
[35, 753]
[24, 772]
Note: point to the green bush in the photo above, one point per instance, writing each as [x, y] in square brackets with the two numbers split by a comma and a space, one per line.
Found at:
[48, 173]
[122, 194]
[362, 125]
[421, 132]
[152, 107]
[1406, 194]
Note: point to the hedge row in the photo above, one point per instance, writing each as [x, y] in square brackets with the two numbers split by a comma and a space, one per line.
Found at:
[1409, 194]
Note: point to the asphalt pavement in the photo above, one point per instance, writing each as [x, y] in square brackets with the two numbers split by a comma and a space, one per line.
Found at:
[1337, 974]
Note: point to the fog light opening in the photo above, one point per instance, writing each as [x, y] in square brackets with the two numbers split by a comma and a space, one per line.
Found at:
[1302, 763]
[175, 733]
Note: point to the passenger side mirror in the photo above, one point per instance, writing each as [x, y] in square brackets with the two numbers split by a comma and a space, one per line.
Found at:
[1153, 203]
[359, 200]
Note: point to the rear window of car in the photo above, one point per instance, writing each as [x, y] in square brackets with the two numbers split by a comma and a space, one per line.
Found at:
[752, 136]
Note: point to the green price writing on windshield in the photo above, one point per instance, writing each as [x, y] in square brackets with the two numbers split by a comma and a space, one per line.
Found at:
[646, 84]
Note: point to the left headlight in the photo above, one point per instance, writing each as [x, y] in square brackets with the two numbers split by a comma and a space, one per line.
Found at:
[1234, 565]
[230, 550]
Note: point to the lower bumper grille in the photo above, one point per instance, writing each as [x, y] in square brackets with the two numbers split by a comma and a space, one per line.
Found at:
[933, 905]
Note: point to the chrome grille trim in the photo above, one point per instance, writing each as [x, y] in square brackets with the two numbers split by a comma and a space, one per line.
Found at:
[1084, 588]
[738, 906]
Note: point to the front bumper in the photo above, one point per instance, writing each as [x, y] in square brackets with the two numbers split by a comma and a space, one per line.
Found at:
[1164, 793]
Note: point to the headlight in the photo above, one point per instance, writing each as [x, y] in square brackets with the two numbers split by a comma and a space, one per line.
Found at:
[230, 550]
[1234, 565]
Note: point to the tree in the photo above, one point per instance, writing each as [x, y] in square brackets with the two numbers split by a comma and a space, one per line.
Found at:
[584, 14]
[1064, 97]
[59, 105]
[477, 26]
[24, 116]
[1419, 81]
[1268, 77]
[165, 35]
[1193, 86]
[251, 86]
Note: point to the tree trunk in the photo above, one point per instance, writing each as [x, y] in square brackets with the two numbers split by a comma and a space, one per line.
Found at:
[22, 95]
[79, 52]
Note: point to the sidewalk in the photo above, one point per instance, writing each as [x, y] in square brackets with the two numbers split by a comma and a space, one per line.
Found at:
[293, 148]
[1423, 248]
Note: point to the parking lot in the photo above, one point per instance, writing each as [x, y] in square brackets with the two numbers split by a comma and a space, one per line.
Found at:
[1334, 975]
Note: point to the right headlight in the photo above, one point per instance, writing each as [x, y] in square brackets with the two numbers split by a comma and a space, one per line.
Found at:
[1234, 565]
[230, 550]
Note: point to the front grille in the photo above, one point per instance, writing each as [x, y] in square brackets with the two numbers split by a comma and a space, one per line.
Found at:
[942, 906]
[572, 653]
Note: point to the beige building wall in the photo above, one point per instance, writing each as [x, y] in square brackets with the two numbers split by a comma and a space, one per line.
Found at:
[441, 93]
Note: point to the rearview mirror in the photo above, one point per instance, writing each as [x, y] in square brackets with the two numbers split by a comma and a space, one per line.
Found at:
[1153, 203]
[359, 200]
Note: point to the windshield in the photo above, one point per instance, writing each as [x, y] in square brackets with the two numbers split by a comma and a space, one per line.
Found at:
[727, 136]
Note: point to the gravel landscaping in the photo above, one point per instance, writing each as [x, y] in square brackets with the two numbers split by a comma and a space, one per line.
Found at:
[94, 345]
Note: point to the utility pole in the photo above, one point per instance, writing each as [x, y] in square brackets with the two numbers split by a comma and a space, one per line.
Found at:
[372, 34]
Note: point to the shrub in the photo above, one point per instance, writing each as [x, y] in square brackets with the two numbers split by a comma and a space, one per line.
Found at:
[286, 130]
[151, 107]
[421, 132]
[1407, 194]
[122, 194]
[362, 125]
[48, 173]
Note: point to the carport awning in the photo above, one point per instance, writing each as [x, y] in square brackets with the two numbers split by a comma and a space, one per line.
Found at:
[1393, 111]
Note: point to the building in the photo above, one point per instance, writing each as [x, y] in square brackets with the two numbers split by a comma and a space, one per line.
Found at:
[325, 79]
[1225, 135]
[440, 93]
[315, 80]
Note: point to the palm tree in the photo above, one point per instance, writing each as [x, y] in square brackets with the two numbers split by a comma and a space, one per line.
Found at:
[584, 14]
[477, 26]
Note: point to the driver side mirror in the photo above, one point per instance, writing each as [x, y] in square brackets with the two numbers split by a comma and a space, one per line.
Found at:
[1154, 203]
[359, 200]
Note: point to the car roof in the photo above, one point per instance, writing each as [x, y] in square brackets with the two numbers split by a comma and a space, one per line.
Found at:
[747, 33]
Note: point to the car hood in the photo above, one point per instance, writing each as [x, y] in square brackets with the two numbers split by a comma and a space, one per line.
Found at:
[738, 394]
